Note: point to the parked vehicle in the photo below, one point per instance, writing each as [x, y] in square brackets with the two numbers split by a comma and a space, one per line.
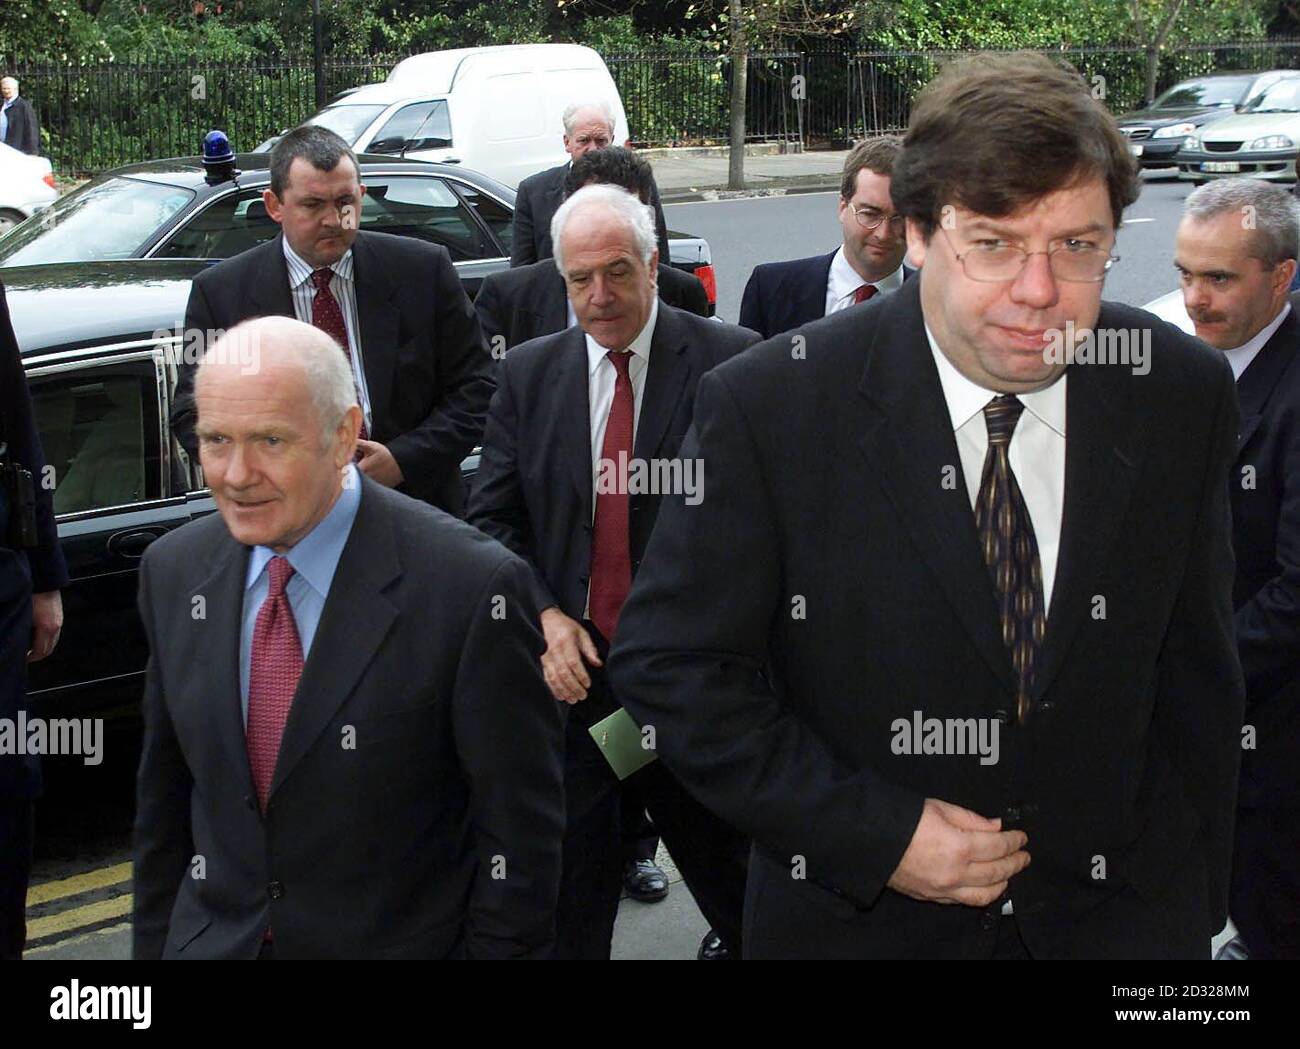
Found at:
[1261, 140]
[26, 186]
[1156, 133]
[494, 109]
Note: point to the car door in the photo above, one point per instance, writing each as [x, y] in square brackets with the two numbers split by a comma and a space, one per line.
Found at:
[117, 487]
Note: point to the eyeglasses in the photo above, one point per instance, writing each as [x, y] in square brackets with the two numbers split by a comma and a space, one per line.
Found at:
[995, 261]
[869, 218]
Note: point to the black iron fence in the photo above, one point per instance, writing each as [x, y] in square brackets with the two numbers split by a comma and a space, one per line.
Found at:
[100, 116]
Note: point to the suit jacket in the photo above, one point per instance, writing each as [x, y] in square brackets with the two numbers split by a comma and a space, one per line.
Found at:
[531, 301]
[22, 572]
[780, 296]
[1266, 538]
[395, 846]
[537, 200]
[23, 133]
[832, 583]
[428, 372]
[533, 489]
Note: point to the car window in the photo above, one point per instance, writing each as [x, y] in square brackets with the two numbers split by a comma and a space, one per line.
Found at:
[1224, 91]
[423, 207]
[99, 433]
[346, 121]
[235, 223]
[111, 219]
[498, 217]
[1281, 97]
[423, 125]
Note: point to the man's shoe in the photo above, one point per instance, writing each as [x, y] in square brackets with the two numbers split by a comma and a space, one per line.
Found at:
[1233, 951]
[644, 881]
[712, 949]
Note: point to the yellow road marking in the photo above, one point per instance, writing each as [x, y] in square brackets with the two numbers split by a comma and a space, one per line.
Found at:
[97, 879]
[78, 917]
[59, 945]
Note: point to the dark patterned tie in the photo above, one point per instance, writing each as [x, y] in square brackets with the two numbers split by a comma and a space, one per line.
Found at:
[611, 543]
[1010, 548]
[275, 666]
[328, 317]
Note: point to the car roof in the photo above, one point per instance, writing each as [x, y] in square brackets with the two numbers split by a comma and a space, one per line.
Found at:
[67, 305]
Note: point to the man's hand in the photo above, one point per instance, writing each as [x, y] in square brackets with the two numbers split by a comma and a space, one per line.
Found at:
[958, 856]
[567, 644]
[378, 464]
[47, 621]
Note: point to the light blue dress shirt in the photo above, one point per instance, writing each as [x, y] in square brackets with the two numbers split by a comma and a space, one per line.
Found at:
[4, 119]
[314, 558]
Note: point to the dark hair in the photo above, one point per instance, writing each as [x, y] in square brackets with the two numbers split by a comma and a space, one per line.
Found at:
[874, 154]
[614, 166]
[992, 133]
[319, 146]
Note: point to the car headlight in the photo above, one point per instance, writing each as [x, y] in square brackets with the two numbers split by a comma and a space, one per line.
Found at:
[1174, 130]
[1272, 142]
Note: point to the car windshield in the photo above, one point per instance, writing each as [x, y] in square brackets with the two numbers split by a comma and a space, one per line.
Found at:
[1282, 97]
[1220, 91]
[346, 121]
[112, 218]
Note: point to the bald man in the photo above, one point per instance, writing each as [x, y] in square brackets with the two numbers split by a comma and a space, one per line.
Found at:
[349, 749]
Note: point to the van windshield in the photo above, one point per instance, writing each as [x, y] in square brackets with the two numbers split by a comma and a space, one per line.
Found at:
[346, 121]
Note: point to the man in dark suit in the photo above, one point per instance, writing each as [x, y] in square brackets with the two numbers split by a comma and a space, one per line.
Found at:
[1236, 278]
[919, 633]
[18, 126]
[422, 370]
[530, 301]
[587, 127]
[564, 436]
[781, 296]
[31, 616]
[348, 752]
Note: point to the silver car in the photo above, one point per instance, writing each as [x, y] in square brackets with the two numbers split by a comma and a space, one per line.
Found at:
[1260, 141]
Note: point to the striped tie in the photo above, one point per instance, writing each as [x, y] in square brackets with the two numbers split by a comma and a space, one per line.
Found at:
[1010, 548]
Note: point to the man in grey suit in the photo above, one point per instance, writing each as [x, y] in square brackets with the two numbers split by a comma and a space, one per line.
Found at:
[349, 750]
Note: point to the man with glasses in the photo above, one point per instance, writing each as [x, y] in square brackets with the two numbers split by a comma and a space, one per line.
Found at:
[951, 637]
[781, 296]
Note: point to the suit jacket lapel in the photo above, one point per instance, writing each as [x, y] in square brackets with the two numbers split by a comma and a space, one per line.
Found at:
[355, 620]
[378, 319]
[809, 299]
[270, 292]
[665, 381]
[552, 305]
[1259, 379]
[904, 399]
[573, 397]
[218, 665]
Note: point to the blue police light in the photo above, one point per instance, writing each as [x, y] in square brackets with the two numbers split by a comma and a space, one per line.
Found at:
[218, 158]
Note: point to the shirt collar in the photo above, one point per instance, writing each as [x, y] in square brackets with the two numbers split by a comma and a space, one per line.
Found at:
[300, 272]
[967, 399]
[845, 280]
[1241, 356]
[316, 555]
[640, 345]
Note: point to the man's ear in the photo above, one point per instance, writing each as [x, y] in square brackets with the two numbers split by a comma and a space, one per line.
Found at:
[917, 244]
[274, 207]
[1288, 269]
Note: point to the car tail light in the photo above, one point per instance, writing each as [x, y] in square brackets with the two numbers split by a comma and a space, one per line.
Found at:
[710, 281]
[49, 180]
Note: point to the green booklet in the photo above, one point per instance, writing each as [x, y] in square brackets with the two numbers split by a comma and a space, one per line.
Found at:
[620, 740]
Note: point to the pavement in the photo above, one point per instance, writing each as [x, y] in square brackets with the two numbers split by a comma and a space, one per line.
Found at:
[701, 174]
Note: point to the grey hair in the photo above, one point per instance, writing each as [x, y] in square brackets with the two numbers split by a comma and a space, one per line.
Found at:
[639, 218]
[326, 371]
[574, 108]
[1274, 212]
[9, 80]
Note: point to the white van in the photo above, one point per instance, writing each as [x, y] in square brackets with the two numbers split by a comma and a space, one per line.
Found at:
[494, 109]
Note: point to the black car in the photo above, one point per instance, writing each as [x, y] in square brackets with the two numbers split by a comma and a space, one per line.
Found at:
[1156, 133]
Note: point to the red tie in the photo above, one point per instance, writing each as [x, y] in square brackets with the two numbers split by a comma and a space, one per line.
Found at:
[611, 545]
[328, 317]
[273, 673]
[864, 293]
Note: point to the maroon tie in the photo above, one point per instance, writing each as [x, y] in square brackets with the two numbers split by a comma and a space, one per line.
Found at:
[611, 546]
[328, 317]
[864, 293]
[273, 673]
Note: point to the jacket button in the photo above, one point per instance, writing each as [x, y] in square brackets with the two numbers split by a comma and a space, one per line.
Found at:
[1012, 815]
[275, 890]
[1046, 705]
[1002, 716]
[989, 920]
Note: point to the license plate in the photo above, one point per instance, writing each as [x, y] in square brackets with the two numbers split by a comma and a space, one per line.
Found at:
[1136, 147]
[1221, 165]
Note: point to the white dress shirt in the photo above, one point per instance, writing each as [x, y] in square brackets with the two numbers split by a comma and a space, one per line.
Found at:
[1241, 357]
[844, 281]
[1036, 453]
[344, 290]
